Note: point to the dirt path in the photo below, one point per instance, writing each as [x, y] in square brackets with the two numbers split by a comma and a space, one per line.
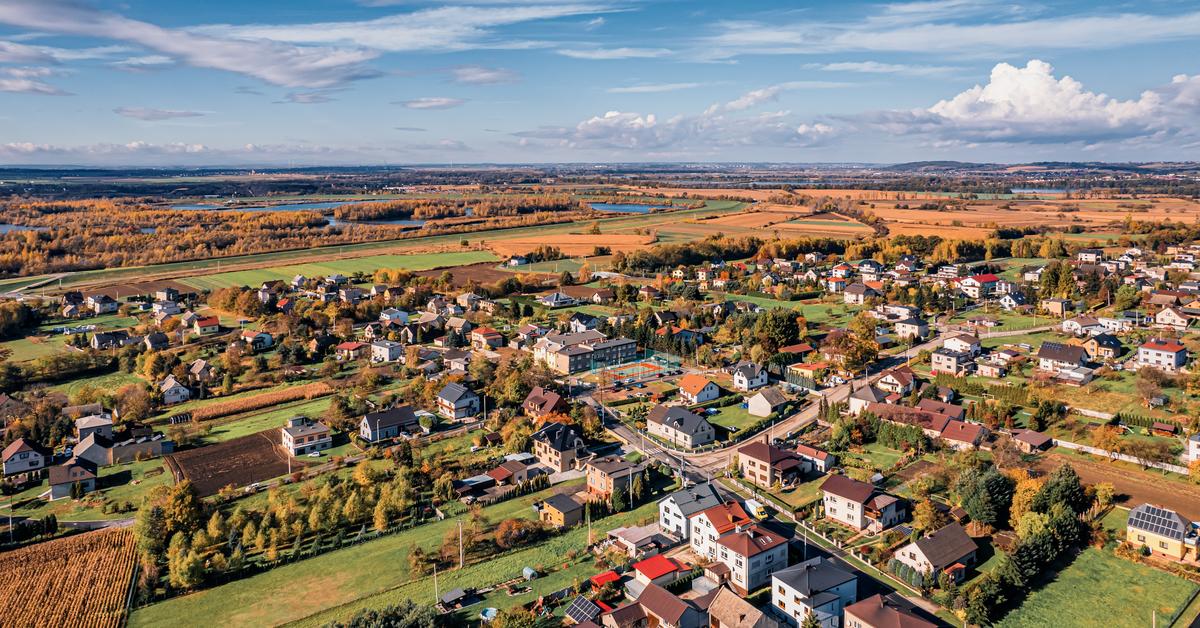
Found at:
[1137, 487]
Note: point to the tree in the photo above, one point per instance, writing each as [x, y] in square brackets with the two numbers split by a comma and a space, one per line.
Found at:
[1031, 524]
[927, 517]
[183, 510]
[1062, 487]
[150, 530]
[1022, 500]
[1106, 437]
[811, 621]
[985, 494]
[406, 614]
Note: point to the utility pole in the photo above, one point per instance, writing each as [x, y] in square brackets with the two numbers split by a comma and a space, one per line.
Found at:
[461, 554]
[436, 596]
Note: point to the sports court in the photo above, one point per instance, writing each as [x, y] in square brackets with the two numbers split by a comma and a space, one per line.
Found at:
[649, 365]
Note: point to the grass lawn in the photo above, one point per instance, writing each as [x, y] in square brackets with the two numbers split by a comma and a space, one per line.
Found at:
[312, 408]
[109, 382]
[734, 418]
[34, 347]
[1101, 588]
[375, 574]
[126, 482]
[345, 267]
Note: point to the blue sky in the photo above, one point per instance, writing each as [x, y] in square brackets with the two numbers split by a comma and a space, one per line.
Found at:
[168, 82]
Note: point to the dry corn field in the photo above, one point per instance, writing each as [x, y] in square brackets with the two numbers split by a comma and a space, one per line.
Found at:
[257, 402]
[81, 581]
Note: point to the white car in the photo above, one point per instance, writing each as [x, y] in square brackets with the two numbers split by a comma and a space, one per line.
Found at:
[314, 454]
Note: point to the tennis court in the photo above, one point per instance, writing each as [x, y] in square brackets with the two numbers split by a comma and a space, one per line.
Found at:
[649, 365]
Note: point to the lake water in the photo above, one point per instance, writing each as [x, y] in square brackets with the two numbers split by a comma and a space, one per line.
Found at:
[290, 207]
[334, 222]
[1038, 191]
[620, 208]
[9, 228]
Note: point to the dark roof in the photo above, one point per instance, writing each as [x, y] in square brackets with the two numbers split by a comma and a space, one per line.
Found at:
[542, 400]
[770, 454]
[562, 503]
[1031, 437]
[663, 604]
[695, 499]
[881, 612]
[773, 396]
[680, 419]
[75, 470]
[558, 436]
[848, 488]
[1107, 340]
[402, 416]
[1061, 353]
[454, 391]
[813, 576]
[946, 546]
[19, 445]
[1159, 520]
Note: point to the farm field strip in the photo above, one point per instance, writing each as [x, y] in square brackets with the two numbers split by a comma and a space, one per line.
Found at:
[424, 243]
[80, 581]
[345, 267]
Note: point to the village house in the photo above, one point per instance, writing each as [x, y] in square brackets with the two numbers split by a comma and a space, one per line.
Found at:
[860, 505]
[730, 610]
[765, 465]
[978, 286]
[766, 402]
[952, 362]
[679, 426]
[101, 424]
[383, 425]
[675, 510]
[857, 294]
[603, 475]
[456, 402]
[75, 472]
[695, 389]
[485, 338]
[900, 380]
[1054, 357]
[543, 401]
[710, 524]
[911, 329]
[351, 350]
[963, 343]
[23, 456]
[302, 436]
[206, 325]
[1162, 354]
[172, 391]
[386, 351]
[880, 612]
[1103, 347]
[748, 376]
[560, 511]
[817, 586]
[1172, 318]
[752, 554]
[557, 446]
[948, 550]
[1163, 531]
[1082, 325]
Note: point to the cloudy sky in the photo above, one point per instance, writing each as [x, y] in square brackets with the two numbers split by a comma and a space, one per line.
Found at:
[174, 82]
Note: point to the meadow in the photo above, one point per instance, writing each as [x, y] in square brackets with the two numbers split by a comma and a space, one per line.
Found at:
[346, 267]
[1097, 588]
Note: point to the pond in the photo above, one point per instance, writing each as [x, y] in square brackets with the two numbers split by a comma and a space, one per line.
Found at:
[9, 228]
[334, 222]
[289, 207]
[620, 208]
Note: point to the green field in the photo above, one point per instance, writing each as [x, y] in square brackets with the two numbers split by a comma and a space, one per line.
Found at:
[375, 574]
[1101, 589]
[345, 267]
[391, 247]
[126, 482]
[735, 418]
[26, 349]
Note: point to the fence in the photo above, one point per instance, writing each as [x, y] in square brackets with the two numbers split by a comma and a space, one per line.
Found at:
[1163, 466]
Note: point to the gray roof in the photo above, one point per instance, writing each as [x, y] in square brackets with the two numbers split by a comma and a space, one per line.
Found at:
[558, 436]
[868, 393]
[1061, 353]
[453, 392]
[692, 500]
[946, 546]
[773, 396]
[563, 503]
[1160, 521]
[681, 419]
[401, 416]
[813, 576]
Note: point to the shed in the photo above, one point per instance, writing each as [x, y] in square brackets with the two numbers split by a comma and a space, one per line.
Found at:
[529, 573]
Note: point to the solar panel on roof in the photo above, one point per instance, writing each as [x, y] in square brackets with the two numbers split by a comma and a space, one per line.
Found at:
[583, 609]
[1157, 521]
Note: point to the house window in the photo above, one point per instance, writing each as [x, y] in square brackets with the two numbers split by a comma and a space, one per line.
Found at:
[1162, 544]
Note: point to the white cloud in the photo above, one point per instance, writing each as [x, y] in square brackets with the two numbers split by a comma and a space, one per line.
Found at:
[29, 86]
[594, 23]
[703, 133]
[1031, 105]
[930, 27]
[142, 63]
[480, 75]
[875, 67]
[11, 52]
[771, 93]
[273, 62]
[305, 98]
[151, 114]
[609, 54]
[432, 102]
[441, 29]
[445, 145]
[656, 88]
